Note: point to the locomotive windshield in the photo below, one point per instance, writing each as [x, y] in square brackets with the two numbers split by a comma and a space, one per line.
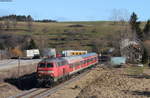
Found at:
[49, 65]
[43, 65]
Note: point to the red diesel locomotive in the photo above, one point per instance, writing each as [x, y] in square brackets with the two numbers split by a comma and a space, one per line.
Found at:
[51, 70]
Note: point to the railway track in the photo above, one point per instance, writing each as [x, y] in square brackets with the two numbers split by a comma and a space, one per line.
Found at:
[44, 92]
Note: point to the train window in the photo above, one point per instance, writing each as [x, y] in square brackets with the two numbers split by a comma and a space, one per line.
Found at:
[88, 60]
[82, 62]
[63, 63]
[85, 61]
[92, 59]
[42, 65]
[75, 64]
[49, 65]
[71, 65]
[59, 63]
[95, 58]
[78, 63]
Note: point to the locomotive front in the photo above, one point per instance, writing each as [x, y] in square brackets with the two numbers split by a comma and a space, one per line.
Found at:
[46, 71]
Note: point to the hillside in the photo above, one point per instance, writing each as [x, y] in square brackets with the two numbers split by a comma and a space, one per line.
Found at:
[70, 35]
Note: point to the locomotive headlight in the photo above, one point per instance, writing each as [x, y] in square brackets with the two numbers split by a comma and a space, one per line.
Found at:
[41, 71]
[39, 75]
[45, 71]
[50, 71]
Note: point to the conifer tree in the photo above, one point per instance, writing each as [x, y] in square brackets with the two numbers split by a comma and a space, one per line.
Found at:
[135, 25]
[146, 29]
[32, 45]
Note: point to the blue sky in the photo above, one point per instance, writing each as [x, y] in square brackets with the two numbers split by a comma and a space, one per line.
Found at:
[74, 10]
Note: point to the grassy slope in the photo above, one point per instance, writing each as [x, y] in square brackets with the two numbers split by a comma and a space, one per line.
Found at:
[58, 36]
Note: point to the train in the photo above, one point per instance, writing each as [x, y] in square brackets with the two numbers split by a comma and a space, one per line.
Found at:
[52, 70]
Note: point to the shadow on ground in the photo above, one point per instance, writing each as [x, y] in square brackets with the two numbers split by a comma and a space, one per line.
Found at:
[145, 76]
[141, 93]
[25, 82]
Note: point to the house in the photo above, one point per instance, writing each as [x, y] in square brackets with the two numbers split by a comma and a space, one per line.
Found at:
[132, 50]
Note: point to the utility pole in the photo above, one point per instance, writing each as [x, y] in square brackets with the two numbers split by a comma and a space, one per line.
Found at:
[18, 66]
[149, 61]
[19, 85]
[0, 54]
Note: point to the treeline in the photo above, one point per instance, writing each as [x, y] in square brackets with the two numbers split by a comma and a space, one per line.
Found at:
[45, 20]
[24, 18]
[16, 17]
[10, 22]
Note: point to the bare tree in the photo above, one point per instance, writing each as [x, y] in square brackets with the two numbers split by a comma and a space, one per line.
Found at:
[7, 23]
[121, 15]
[1, 26]
[131, 46]
[14, 23]
[29, 23]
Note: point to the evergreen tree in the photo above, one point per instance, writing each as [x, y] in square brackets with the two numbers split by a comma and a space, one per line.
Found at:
[145, 56]
[146, 29]
[32, 45]
[135, 25]
[133, 21]
[1, 46]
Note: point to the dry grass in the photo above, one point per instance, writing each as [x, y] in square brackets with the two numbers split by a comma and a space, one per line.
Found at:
[73, 89]
[109, 83]
[57, 31]
[116, 83]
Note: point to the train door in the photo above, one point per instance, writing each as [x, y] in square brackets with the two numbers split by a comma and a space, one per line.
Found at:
[56, 68]
[85, 62]
[59, 69]
[64, 70]
[62, 67]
